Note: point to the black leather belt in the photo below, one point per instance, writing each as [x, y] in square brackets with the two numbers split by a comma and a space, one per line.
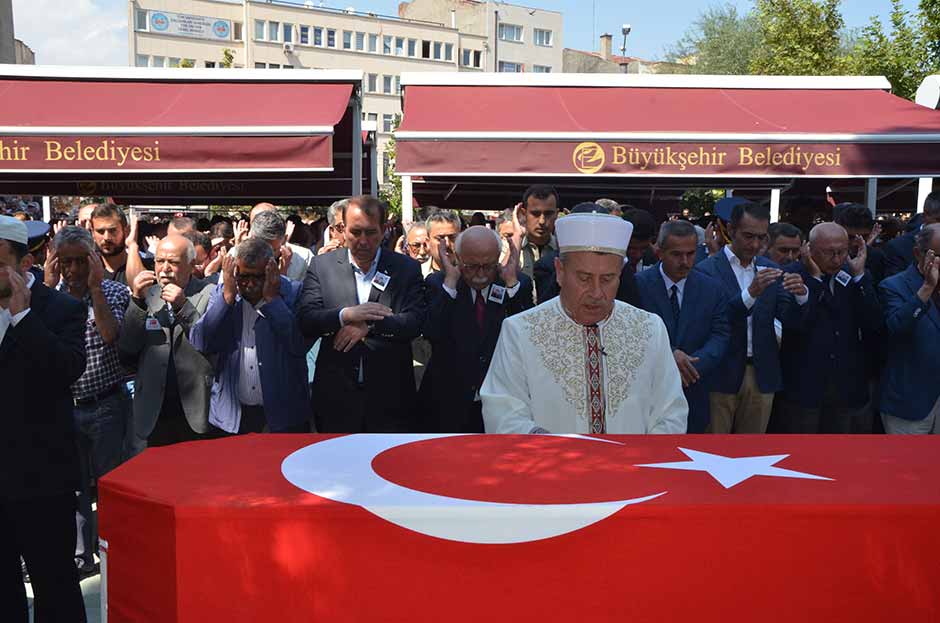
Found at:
[90, 400]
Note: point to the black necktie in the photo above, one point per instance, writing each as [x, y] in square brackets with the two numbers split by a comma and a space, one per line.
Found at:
[674, 299]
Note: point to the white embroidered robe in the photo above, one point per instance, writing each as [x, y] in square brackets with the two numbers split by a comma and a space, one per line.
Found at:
[538, 378]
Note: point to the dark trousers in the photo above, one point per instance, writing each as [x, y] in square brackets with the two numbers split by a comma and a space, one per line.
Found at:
[254, 421]
[43, 531]
[172, 427]
[831, 418]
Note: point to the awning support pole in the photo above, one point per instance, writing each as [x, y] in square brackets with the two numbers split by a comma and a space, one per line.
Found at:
[774, 205]
[373, 174]
[407, 200]
[357, 147]
[871, 194]
[924, 188]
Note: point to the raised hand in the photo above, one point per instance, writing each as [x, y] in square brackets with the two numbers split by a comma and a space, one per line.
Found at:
[793, 283]
[95, 271]
[447, 260]
[762, 281]
[174, 295]
[131, 240]
[290, 230]
[930, 267]
[806, 257]
[142, 283]
[874, 235]
[241, 231]
[857, 263]
[509, 271]
[272, 281]
[21, 296]
[284, 262]
[51, 270]
[712, 241]
[229, 287]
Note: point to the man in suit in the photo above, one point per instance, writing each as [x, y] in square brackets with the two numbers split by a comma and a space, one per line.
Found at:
[899, 253]
[910, 394]
[826, 357]
[42, 352]
[367, 305]
[757, 292]
[250, 327]
[640, 254]
[694, 309]
[784, 242]
[545, 281]
[467, 303]
[171, 395]
[858, 222]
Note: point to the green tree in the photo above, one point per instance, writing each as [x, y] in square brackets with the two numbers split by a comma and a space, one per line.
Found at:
[900, 56]
[187, 63]
[228, 59]
[799, 37]
[720, 41]
[390, 192]
[930, 25]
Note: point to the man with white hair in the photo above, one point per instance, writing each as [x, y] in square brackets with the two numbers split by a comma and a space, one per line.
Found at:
[171, 395]
[584, 362]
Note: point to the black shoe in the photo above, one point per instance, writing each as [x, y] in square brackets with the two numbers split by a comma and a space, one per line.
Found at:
[86, 569]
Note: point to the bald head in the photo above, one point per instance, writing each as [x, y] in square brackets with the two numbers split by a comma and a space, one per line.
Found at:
[478, 240]
[173, 262]
[478, 250]
[827, 231]
[829, 246]
[259, 208]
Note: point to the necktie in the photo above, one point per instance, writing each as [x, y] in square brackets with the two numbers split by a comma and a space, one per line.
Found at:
[595, 380]
[481, 311]
[674, 300]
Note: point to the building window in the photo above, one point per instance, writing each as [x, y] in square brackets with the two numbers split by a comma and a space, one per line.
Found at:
[387, 122]
[510, 32]
[158, 61]
[259, 29]
[398, 85]
[260, 65]
[140, 19]
[425, 49]
[330, 38]
[317, 36]
[372, 116]
[142, 60]
[510, 67]
[210, 64]
[305, 35]
[387, 85]
[347, 40]
[360, 41]
[448, 51]
[477, 58]
[437, 50]
[287, 67]
[173, 62]
[543, 37]
[273, 66]
[373, 83]
[399, 46]
[373, 43]
[274, 31]
[288, 33]
[237, 31]
[541, 69]
[412, 47]
[387, 44]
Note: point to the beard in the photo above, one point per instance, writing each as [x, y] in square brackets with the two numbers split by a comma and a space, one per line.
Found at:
[118, 249]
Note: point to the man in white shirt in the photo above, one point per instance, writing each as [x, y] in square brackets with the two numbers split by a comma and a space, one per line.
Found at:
[758, 291]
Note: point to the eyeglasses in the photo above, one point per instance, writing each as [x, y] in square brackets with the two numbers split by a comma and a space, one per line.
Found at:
[417, 246]
[476, 268]
[834, 253]
[338, 227]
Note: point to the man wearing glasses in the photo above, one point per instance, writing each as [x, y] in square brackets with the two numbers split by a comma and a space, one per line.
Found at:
[336, 230]
[443, 227]
[467, 303]
[418, 247]
[260, 381]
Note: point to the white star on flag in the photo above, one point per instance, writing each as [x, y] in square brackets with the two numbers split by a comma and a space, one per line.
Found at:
[729, 471]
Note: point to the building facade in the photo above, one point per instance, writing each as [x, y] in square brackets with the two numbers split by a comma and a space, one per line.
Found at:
[282, 35]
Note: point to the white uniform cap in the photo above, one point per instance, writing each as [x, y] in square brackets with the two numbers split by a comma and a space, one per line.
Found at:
[13, 229]
[600, 233]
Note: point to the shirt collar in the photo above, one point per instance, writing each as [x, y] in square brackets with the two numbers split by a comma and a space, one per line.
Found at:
[733, 259]
[372, 268]
[669, 282]
[551, 244]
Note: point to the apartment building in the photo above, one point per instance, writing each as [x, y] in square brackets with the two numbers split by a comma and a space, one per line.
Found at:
[440, 35]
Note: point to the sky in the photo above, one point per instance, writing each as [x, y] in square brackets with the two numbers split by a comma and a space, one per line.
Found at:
[94, 32]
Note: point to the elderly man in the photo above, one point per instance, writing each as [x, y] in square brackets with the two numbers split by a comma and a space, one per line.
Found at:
[261, 378]
[418, 246]
[826, 358]
[334, 217]
[758, 291]
[102, 406]
[910, 394]
[171, 397]
[695, 312]
[537, 213]
[467, 303]
[42, 353]
[584, 362]
[443, 227]
[367, 305]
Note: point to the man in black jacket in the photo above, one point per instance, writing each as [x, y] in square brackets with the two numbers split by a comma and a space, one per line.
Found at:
[368, 305]
[42, 352]
[899, 253]
[467, 303]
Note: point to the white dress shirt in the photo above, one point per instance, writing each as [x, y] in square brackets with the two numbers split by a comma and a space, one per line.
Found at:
[6, 319]
[745, 276]
[680, 285]
[249, 373]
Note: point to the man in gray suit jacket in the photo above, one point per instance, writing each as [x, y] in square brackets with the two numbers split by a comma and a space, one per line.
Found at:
[171, 397]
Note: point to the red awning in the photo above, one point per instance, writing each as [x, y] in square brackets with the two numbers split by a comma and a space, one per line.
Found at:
[171, 121]
[677, 126]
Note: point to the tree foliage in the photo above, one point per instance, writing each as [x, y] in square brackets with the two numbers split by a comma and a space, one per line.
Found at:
[721, 41]
[228, 59]
[390, 192]
[798, 37]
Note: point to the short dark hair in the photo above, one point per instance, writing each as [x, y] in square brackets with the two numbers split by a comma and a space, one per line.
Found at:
[222, 229]
[853, 215]
[932, 205]
[19, 249]
[199, 239]
[254, 251]
[676, 229]
[109, 210]
[540, 191]
[787, 230]
[644, 226]
[372, 206]
[754, 210]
